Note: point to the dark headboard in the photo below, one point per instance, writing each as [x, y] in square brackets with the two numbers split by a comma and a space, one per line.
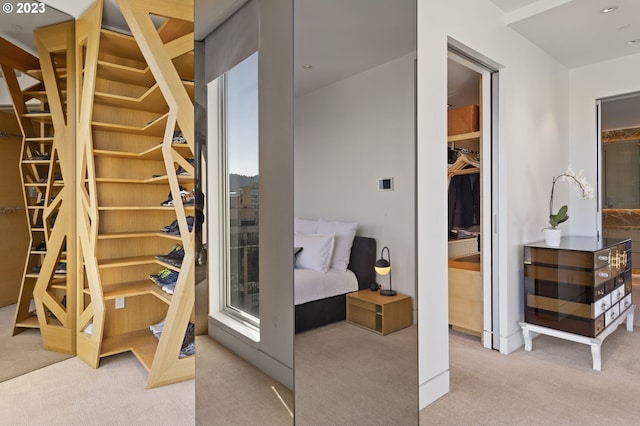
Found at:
[362, 260]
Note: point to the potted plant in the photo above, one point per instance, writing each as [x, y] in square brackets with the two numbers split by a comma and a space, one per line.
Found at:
[583, 189]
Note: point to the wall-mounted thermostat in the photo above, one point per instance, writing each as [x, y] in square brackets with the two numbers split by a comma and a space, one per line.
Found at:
[385, 184]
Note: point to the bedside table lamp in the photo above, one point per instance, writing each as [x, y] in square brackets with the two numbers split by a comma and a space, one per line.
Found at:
[383, 267]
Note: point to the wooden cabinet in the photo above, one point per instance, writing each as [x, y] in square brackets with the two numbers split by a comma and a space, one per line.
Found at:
[46, 115]
[581, 287]
[135, 143]
[106, 162]
[381, 314]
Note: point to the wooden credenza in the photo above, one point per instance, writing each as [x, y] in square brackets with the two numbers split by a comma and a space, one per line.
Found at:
[581, 287]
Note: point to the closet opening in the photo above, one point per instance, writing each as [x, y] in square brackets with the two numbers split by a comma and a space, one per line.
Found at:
[472, 197]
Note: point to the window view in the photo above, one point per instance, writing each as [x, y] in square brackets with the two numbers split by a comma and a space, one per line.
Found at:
[240, 97]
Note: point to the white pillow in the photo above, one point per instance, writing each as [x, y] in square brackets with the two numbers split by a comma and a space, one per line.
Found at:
[344, 232]
[305, 226]
[316, 251]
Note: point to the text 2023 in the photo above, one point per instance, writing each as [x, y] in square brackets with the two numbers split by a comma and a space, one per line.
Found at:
[32, 7]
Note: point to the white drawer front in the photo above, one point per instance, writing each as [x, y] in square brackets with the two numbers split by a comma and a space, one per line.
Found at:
[617, 294]
[625, 303]
[611, 315]
[601, 305]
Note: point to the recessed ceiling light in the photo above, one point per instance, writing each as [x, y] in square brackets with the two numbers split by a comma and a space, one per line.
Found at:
[609, 9]
[307, 66]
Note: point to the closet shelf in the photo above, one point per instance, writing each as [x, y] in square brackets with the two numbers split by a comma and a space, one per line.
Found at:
[464, 137]
[142, 343]
[29, 322]
[120, 45]
[136, 234]
[141, 208]
[159, 180]
[154, 128]
[151, 101]
[127, 261]
[113, 71]
[46, 139]
[134, 288]
[153, 153]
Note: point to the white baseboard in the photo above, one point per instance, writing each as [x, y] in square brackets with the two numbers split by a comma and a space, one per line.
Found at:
[433, 389]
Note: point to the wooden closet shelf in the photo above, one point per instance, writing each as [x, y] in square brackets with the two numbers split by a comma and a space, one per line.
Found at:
[134, 288]
[151, 101]
[464, 137]
[40, 117]
[61, 73]
[41, 95]
[46, 139]
[136, 234]
[154, 128]
[159, 180]
[55, 276]
[125, 74]
[141, 208]
[119, 44]
[29, 322]
[142, 343]
[37, 162]
[127, 261]
[153, 153]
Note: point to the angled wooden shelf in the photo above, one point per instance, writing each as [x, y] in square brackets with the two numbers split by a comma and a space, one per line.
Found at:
[127, 261]
[153, 153]
[154, 128]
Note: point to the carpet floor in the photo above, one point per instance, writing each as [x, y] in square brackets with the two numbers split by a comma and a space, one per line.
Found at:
[22, 353]
[554, 384]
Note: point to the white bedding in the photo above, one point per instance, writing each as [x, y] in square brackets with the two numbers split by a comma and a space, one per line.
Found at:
[312, 285]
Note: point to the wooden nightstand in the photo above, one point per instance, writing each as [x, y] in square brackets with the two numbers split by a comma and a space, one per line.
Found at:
[380, 314]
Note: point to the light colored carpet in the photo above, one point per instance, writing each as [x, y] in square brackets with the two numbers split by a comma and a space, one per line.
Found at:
[22, 353]
[346, 375]
[554, 384]
[232, 392]
[72, 393]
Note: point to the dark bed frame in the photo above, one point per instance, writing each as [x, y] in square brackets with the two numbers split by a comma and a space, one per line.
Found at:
[332, 309]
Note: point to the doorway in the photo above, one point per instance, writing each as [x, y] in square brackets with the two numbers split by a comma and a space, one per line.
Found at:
[472, 189]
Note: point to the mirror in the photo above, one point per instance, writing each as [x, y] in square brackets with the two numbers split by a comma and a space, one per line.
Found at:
[21, 250]
[354, 156]
[620, 150]
[243, 133]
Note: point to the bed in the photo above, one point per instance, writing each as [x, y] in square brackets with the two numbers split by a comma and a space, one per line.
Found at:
[315, 313]
[465, 294]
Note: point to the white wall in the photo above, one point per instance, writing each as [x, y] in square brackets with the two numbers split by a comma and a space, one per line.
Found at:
[589, 83]
[533, 147]
[348, 134]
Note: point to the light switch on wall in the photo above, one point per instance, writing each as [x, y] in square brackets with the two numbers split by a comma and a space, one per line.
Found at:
[385, 184]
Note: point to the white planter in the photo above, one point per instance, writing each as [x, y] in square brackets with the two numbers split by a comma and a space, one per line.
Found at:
[552, 236]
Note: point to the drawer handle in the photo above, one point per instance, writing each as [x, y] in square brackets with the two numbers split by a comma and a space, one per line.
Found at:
[603, 274]
[603, 258]
[600, 292]
[626, 303]
[603, 305]
[613, 315]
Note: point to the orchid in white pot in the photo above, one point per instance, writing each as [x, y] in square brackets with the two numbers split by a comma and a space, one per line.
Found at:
[583, 189]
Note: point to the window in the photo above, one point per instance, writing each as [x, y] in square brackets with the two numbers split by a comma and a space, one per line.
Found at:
[238, 99]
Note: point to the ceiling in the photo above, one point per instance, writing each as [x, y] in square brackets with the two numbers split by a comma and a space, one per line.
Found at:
[575, 32]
